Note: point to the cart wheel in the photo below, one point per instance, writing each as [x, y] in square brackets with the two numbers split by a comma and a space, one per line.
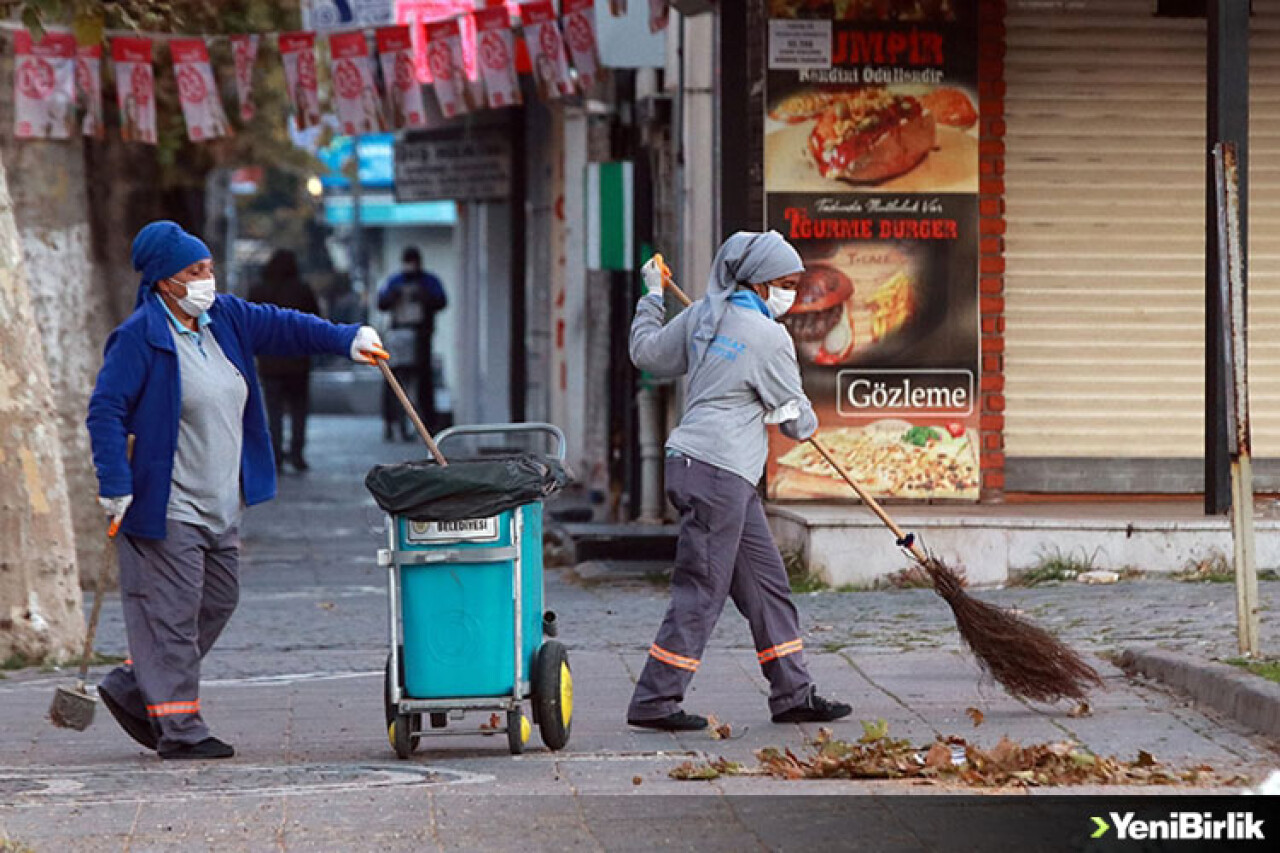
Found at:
[401, 734]
[518, 731]
[553, 694]
[398, 725]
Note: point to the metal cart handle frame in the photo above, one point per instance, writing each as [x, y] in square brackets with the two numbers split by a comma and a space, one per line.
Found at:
[506, 429]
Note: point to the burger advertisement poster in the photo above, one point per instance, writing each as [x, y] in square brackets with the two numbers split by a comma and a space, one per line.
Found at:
[871, 171]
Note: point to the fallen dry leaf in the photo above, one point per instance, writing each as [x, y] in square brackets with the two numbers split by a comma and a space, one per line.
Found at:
[326, 605]
[1146, 759]
[938, 756]
[1081, 710]
[975, 715]
[717, 729]
[637, 780]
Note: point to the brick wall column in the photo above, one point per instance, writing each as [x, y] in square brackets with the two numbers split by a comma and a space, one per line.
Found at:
[991, 228]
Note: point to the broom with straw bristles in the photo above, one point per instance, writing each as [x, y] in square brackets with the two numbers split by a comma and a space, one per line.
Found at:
[1026, 660]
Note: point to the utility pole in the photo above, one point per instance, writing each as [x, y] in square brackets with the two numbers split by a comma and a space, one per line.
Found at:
[1227, 122]
[1231, 290]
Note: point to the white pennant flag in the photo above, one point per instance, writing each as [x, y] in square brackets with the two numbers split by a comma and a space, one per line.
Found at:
[659, 15]
[496, 51]
[580, 34]
[404, 94]
[298, 53]
[546, 50]
[444, 57]
[355, 95]
[197, 90]
[43, 89]
[89, 89]
[135, 88]
[244, 50]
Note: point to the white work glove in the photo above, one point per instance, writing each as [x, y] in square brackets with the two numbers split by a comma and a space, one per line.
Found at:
[367, 347]
[651, 276]
[788, 411]
[115, 507]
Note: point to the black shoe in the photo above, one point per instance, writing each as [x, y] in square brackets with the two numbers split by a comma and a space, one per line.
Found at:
[677, 722]
[814, 709]
[135, 727]
[210, 747]
[299, 464]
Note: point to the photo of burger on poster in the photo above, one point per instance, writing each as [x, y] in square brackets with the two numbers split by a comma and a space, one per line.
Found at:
[875, 138]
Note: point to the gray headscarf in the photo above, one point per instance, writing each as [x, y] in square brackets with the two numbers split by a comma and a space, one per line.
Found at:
[748, 257]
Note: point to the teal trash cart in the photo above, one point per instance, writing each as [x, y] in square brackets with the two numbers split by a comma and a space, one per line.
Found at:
[468, 628]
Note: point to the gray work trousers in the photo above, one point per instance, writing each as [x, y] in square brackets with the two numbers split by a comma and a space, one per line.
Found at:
[725, 550]
[178, 593]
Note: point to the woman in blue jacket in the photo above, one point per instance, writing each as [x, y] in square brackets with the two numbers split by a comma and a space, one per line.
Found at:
[178, 377]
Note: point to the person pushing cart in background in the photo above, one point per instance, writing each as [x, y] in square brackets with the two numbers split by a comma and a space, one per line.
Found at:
[743, 374]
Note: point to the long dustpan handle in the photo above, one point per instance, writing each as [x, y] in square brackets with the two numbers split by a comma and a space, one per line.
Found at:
[904, 539]
[96, 611]
[408, 407]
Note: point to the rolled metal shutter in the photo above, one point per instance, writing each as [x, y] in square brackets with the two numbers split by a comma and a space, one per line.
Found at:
[1104, 281]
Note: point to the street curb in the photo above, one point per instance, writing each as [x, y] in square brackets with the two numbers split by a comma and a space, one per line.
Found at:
[1251, 700]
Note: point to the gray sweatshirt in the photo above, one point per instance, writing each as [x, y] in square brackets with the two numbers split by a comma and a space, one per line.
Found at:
[750, 369]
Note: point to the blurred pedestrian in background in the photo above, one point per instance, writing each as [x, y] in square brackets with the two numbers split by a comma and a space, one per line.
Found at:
[286, 380]
[344, 303]
[413, 297]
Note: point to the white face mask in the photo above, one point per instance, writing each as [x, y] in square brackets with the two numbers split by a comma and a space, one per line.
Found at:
[199, 298]
[780, 300]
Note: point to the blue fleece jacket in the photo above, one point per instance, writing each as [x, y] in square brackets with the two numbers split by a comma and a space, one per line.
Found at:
[138, 393]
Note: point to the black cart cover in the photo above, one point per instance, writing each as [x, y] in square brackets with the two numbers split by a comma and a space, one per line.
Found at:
[424, 491]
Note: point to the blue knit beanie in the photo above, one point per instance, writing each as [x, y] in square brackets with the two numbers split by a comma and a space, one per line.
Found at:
[163, 248]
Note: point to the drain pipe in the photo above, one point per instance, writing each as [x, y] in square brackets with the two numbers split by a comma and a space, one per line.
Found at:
[649, 417]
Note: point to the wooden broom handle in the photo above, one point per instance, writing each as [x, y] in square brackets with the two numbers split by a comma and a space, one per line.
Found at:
[678, 293]
[872, 503]
[408, 407]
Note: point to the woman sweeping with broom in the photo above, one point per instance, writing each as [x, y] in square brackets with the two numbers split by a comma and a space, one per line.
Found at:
[1023, 658]
[742, 371]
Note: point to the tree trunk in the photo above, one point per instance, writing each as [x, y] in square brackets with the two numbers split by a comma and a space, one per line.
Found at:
[40, 617]
[73, 312]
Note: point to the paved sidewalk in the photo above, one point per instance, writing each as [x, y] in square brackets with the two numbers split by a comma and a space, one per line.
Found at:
[296, 685]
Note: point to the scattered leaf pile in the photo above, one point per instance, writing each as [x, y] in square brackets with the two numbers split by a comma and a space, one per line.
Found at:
[953, 760]
[705, 771]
